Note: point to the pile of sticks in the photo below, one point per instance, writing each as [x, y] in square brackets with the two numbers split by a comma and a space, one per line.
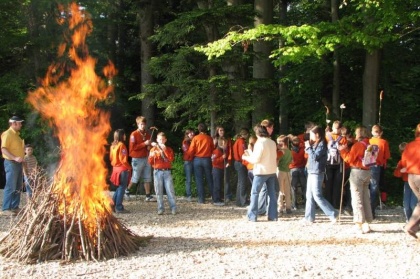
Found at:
[42, 233]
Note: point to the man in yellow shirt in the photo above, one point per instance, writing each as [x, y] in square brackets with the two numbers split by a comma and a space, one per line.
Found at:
[12, 148]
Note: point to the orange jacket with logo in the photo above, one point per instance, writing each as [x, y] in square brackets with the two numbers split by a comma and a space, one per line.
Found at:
[159, 159]
[355, 155]
[383, 154]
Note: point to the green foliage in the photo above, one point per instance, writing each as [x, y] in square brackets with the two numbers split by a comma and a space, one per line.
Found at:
[178, 175]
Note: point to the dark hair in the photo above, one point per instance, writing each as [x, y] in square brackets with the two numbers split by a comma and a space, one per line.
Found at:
[118, 136]
[201, 128]
[28, 145]
[187, 132]
[261, 131]
[320, 131]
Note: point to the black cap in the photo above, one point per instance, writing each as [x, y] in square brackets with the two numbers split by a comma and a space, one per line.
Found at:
[15, 119]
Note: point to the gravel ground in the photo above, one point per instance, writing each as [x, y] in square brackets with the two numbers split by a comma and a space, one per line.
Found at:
[204, 241]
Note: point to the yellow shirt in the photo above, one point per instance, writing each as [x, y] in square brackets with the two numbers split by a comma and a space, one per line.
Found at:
[11, 140]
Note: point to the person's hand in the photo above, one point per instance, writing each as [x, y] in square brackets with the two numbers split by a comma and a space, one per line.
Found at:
[403, 170]
[153, 144]
[147, 142]
[19, 159]
[341, 147]
[307, 144]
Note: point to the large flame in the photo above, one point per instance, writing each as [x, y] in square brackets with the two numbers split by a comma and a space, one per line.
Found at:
[68, 99]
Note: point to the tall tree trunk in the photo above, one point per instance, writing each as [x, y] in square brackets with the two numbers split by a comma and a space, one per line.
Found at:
[211, 33]
[370, 88]
[146, 30]
[262, 67]
[336, 65]
[283, 111]
[33, 25]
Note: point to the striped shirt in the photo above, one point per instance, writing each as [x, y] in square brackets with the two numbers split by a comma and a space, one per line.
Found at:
[30, 164]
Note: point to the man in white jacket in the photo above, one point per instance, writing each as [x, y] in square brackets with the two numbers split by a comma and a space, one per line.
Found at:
[263, 157]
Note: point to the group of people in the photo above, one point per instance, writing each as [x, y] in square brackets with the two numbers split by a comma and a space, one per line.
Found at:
[320, 161]
[20, 166]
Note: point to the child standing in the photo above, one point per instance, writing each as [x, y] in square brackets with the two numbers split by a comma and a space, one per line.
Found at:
[121, 170]
[284, 156]
[218, 160]
[29, 169]
[409, 198]
[161, 158]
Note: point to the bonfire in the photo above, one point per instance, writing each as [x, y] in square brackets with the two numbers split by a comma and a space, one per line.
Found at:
[70, 215]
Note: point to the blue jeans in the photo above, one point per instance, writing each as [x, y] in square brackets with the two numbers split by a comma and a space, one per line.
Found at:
[298, 177]
[188, 169]
[375, 181]
[217, 183]
[163, 178]
[270, 181]
[314, 195]
[409, 201]
[242, 183]
[29, 184]
[118, 196]
[13, 186]
[141, 169]
[203, 168]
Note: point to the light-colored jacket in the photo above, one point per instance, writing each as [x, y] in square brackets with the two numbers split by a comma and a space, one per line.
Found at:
[263, 157]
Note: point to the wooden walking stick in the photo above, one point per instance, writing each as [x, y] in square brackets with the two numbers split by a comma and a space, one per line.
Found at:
[381, 96]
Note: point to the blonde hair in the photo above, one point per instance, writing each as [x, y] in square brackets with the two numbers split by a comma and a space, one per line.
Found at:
[141, 119]
[417, 132]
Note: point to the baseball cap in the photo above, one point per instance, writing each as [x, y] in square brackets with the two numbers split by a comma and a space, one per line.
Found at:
[15, 119]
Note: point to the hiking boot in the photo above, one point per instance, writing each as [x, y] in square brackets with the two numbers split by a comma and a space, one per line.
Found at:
[124, 211]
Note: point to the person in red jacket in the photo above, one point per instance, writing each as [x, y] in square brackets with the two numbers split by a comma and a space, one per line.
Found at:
[227, 150]
[297, 170]
[409, 199]
[201, 149]
[377, 182]
[218, 160]
[139, 150]
[239, 148]
[359, 180]
[161, 158]
[121, 170]
[188, 161]
[410, 165]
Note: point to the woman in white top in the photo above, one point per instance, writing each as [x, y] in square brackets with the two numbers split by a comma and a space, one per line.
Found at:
[265, 167]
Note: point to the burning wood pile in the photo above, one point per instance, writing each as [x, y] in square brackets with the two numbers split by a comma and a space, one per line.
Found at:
[70, 215]
[44, 232]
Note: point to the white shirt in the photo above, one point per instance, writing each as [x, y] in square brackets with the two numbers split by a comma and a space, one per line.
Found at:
[263, 157]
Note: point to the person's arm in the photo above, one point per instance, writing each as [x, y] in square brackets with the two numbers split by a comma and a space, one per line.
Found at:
[10, 155]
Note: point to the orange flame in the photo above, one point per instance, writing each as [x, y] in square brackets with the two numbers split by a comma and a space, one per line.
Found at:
[68, 100]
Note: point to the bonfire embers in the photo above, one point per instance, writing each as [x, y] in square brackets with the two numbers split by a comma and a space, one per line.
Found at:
[70, 215]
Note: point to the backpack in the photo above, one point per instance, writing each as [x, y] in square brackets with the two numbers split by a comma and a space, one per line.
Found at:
[371, 153]
[334, 157]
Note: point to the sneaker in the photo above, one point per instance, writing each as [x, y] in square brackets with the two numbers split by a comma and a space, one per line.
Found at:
[150, 199]
[218, 204]
[160, 212]
[124, 211]
[189, 199]
[347, 212]
[173, 211]
[333, 221]
[127, 194]
[366, 228]
[409, 232]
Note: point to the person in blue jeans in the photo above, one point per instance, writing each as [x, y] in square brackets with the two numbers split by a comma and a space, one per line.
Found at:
[12, 148]
[188, 162]
[264, 159]
[317, 151]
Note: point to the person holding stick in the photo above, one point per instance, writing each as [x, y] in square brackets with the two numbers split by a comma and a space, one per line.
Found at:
[359, 180]
[161, 158]
[140, 142]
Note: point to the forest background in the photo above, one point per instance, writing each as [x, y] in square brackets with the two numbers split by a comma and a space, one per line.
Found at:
[229, 63]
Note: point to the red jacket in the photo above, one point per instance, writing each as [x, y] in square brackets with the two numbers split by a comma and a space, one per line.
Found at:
[238, 149]
[410, 157]
[137, 147]
[158, 161]
[298, 158]
[398, 173]
[201, 146]
[217, 160]
[383, 154]
[186, 156]
[355, 155]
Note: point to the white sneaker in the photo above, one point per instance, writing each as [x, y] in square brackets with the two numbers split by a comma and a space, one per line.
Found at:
[218, 204]
[160, 212]
[189, 199]
[150, 199]
[366, 228]
[173, 211]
